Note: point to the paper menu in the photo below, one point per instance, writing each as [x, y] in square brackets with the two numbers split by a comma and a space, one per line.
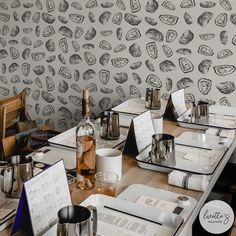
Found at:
[123, 224]
[140, 134]
[178, 101]
[143, 130]
[154, 202]
[175, 105]
[46, 194]
[41, 198]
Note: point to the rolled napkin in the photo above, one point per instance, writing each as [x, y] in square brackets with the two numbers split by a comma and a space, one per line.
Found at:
[188, 181]
[221, 132]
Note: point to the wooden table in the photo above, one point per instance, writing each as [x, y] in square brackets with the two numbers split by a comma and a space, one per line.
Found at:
[132, 174]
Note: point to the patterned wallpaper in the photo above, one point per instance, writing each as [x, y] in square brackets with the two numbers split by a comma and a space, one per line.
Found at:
[117, 48]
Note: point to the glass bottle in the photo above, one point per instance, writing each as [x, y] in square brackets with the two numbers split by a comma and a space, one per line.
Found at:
[85, 147]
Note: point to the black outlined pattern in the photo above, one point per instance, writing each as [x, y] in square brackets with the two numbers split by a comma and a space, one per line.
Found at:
[53, 49]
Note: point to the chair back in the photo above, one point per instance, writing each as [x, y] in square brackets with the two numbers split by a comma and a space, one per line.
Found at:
[16, 144]
[12, 110]
[8, 147]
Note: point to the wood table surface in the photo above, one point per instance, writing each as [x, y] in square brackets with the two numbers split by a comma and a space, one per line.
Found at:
[132, 174]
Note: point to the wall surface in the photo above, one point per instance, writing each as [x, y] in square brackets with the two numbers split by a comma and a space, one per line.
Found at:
[118, 48]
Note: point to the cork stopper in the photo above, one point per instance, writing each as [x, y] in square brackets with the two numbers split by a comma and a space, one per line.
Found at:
[85, 94]
[85, 102]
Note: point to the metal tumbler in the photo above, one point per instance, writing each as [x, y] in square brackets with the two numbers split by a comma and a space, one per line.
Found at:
[163, 149]
[110, 126]
[77, 220]
[202, 112]
[153, 99]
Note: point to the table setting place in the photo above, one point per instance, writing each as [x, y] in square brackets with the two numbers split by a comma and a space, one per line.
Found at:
[39, 188]
[191, 158]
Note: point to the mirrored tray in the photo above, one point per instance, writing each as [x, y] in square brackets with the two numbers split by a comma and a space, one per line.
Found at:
[67, 139]
[204, 141]
[122, 217]
[134, 106]
[51, 155]
[189, 159]
[216, 119]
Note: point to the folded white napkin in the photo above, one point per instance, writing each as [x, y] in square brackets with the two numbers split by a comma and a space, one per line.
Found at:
[221, 132]
[188, 181]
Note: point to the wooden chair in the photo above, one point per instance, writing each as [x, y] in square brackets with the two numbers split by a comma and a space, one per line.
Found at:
[12, 110]
[25, 142]
[8, 145]
[16, 144]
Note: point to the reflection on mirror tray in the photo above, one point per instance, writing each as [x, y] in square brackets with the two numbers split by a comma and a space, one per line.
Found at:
[190, 159]
[200, 112]
[215, 120]
[204, 140]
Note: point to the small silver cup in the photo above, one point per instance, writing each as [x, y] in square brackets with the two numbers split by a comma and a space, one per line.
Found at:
[163, 149]
[110, 126]
[77, 220]
[202, 112]
[153, 99]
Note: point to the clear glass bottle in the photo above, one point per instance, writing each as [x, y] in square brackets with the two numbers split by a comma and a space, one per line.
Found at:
[85, 147]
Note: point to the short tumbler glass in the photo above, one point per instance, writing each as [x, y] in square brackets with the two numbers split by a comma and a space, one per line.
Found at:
[105, 183]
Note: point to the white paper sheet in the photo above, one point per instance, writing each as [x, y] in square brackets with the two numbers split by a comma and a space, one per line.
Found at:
[46, 194]
[117, 224]
[143, 130]
[178, 101]
[157, 203]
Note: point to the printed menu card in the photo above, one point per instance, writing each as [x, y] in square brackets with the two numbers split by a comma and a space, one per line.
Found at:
[41, 198]
[140, 134]
[175, 105]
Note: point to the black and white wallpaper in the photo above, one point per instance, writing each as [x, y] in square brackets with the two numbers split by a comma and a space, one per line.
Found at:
[117, 48]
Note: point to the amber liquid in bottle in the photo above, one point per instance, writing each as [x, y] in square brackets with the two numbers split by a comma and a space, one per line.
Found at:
[85, 148]
[86, 162]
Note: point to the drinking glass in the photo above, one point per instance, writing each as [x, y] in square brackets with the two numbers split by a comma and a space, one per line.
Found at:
[105, 183]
